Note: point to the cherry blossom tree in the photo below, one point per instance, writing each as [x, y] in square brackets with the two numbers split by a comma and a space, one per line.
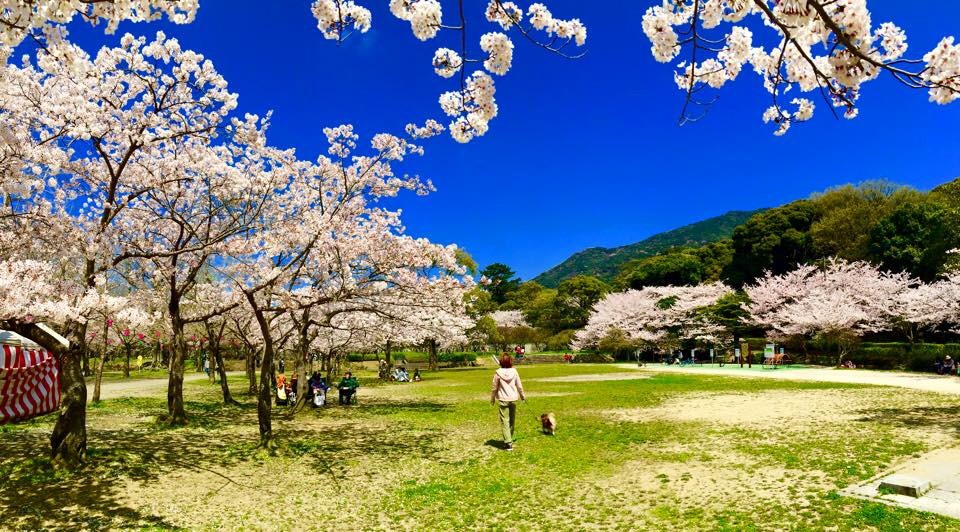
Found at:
[655, 316]
[129, 324]
[837, 301]
[509, 318]
[925, 307]
[326, 250]
[830, 47]
[132, 160]
[129, 108]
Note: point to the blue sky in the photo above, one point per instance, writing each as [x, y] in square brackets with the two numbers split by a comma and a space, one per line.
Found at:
[584, 153]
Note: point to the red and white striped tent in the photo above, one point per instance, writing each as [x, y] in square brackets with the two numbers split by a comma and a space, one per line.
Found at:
[29, 379]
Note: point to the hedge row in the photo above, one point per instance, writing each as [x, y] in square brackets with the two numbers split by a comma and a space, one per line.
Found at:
[413, 356]
[917, 357]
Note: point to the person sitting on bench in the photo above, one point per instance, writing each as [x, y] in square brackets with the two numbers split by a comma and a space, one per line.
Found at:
[348, 388]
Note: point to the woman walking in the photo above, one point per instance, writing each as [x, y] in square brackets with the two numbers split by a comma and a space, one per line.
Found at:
[507, 390]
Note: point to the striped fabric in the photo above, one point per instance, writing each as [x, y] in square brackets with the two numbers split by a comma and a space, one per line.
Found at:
[29, 383]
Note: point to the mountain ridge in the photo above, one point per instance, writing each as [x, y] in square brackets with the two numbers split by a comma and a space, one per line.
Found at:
[605, 262]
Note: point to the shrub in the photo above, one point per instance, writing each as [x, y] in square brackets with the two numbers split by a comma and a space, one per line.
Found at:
[901, 355]
[457, 359]
[592, 358]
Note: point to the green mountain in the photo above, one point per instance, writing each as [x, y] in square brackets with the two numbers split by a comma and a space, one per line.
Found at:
[605, 262]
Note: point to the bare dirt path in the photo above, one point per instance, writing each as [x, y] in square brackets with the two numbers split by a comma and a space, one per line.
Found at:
[946, 384]
[142, 387]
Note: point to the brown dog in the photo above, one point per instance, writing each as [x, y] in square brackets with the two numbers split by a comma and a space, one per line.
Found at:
[549, 422]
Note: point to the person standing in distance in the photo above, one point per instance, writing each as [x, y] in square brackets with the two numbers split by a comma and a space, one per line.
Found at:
[507, 390]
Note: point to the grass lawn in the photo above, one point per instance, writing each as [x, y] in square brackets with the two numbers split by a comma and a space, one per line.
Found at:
[671, 451]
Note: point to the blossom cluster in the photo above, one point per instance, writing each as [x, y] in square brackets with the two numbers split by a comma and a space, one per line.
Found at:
[472, 108]
[508, 318]
[424, 16]
[20, 18]
[335, 16]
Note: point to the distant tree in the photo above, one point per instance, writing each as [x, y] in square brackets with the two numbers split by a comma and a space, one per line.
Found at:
[464, 259]
[915, 238]
[501, 281]
[478, 302]
[776, 241]
[834, 303]
[616, 342]
[947, 194]
[542, 311]
[677, 267]
[523, 296]
[670, 269]
[575, 299]
[850, 212]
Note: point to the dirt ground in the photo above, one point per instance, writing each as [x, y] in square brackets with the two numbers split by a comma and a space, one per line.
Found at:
[929, 382]
[135, 387]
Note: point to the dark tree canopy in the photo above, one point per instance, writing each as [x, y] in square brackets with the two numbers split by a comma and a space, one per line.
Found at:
[502, 280]
[915, 238]
[575, 299]
[775, 240]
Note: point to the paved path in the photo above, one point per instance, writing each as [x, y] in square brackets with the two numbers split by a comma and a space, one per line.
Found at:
[928, 382]
[156, 387]
[941, 468]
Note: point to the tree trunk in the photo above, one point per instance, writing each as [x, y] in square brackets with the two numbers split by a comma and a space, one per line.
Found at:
[176, 414]
[265, 399]
[387, 354]
[432, 346]
[251, 372]
[126, 365]
[68, 443]
[302, 360]
[224, 387]
[86, 361]
[99, 379]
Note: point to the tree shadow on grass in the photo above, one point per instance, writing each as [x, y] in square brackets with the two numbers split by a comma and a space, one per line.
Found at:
[217, 439]
[330, 451]
[383, 407]
[35, 495]
[944, 417]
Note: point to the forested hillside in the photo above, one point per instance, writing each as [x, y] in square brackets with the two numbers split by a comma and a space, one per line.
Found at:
[605, 263]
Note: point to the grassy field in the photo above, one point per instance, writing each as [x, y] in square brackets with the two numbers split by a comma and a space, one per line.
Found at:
[680, 452]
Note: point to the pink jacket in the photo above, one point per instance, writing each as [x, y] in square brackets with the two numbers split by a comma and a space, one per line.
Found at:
[507, 385]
